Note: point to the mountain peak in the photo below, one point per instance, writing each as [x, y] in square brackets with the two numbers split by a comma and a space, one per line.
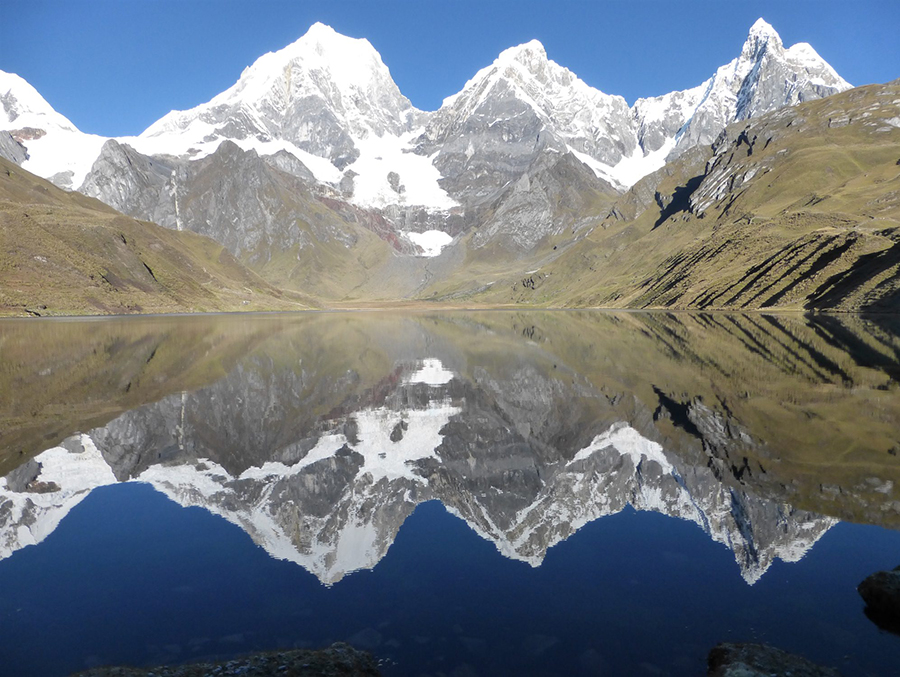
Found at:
[762, 27]
[528, 51]
[326, 41]
[761, 35]
[350, 61]
[22, 106]
[320, 29]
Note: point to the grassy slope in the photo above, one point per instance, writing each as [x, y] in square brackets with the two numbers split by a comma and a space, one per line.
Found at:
[65, 254]
[818, 226]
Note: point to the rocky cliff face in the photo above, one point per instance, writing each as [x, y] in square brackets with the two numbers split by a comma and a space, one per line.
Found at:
[11, 149]
[134, 184]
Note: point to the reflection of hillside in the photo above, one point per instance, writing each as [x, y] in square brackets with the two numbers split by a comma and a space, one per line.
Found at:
[330, 429]
[59, 377]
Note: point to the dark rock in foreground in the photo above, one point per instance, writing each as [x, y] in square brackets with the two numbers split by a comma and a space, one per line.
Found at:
[760, 660]
[881, 593]
[339, 660]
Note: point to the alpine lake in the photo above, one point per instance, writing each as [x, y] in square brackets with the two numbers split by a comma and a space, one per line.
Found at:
[459, 493]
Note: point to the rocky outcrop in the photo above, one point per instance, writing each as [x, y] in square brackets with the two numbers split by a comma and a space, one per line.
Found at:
[761, 660]
[557, 196]
[134, 184]
[11, 149]
[881, 593]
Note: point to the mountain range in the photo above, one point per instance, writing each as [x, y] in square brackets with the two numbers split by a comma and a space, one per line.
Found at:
[317, 173]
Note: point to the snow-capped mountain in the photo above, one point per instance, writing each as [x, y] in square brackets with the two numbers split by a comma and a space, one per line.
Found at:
[327, 99]
[49, 144]
[330, 100]
[517, 107]
[322, 93]
[765, 76]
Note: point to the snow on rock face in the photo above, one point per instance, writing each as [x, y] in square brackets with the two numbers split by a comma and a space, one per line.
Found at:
[389, 173]
[330, 101]
[586, 118]
[57, 150]
[432, 242]
[323, 93]
[765, 77]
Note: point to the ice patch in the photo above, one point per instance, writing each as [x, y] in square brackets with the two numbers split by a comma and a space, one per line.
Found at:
[417, 176]
[431, 241]
[385, 458]
[631, 169]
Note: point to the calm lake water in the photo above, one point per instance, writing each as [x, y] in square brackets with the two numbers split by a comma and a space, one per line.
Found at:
[546, 493]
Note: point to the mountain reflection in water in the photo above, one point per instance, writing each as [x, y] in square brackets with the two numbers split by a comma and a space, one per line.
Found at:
[319, 435]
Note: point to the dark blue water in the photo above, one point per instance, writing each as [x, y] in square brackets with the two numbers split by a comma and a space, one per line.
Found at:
[131, 577]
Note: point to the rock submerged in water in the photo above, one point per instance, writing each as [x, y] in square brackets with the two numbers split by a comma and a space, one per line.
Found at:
[338, 660]
[881, 593]
[761, 660]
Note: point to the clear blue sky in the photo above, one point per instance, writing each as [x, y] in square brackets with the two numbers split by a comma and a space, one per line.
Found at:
[115, 66]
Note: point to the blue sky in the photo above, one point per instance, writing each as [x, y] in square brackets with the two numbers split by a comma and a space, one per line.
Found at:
[115, 66]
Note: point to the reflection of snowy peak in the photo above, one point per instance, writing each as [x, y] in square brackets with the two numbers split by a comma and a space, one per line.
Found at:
[621, 468]
[332, 494]
[38, 495]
